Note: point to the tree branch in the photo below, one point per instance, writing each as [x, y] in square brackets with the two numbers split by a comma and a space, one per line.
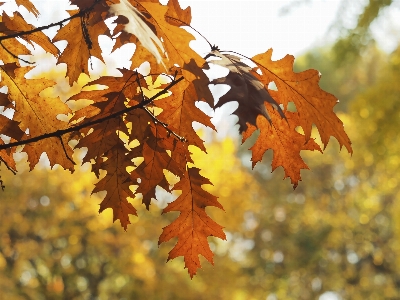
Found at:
[60, 133]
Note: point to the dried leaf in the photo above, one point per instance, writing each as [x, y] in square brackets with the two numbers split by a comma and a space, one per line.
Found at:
[10, 48]
[193, 225]
[281, 136]
[245, 88]
[176, 15]
[180, 111]
[117, 185]
[39, 115]
[82, 37]
[314, 105]
[156, 159]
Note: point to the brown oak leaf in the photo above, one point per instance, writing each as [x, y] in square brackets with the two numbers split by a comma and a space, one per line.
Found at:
[116, 184]
[150, 172]
[245, 88]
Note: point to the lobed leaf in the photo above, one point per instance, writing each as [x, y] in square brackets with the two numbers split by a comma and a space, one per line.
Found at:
[193, 225]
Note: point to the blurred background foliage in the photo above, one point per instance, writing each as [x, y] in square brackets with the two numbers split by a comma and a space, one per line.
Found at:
[336, 235]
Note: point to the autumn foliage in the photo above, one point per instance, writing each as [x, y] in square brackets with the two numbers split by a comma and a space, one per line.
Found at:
[139, 140]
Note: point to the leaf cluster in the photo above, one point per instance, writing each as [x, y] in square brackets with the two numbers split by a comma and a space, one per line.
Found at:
[138, 141]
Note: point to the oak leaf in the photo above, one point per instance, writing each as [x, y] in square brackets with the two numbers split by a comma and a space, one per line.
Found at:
[176, 15]
[116, 185]
[11, 129]
[82, 37]
[180, 111]
[175, 39]
[249, 86]
[281, 136]
[38, 115]
[314, 105]
[100, 138]
[193, 225]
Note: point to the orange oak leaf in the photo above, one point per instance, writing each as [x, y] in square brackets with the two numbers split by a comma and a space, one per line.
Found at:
[38, 115]
[82, 37]
[193, 225]
[127, 84]
[180, 111]
[116, 183]
[281, 136]
[176, 43]
[314, 105]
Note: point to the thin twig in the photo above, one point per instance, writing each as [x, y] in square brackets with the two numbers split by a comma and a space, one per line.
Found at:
[61, 132]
